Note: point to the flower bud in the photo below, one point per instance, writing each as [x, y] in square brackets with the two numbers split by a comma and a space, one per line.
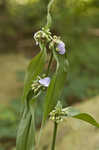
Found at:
[42, 36]
[58, 45]
[61, 48]
[56, 114]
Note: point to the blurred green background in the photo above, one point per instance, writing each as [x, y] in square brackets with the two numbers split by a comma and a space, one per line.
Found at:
[77, 22]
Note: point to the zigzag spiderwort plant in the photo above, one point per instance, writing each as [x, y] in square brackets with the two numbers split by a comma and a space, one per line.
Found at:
[37, 80]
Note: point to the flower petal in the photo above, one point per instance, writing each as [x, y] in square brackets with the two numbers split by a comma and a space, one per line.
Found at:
[62, 51]
[61, 48]
[45, 81]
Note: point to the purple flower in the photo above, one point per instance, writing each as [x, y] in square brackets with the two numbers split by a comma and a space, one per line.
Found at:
[61, 48]
[45, 81]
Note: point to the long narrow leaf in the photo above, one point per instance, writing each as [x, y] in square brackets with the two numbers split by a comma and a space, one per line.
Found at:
[35, 67]
[31, 135]
[26, 131]
[23, 131]
[57, 83]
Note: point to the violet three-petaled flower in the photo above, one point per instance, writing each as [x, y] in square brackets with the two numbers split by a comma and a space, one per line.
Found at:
[45, 81]
[61, 48]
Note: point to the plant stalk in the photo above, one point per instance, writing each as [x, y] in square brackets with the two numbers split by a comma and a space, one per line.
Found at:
[54, 136]
[50, 61]
[49, 18]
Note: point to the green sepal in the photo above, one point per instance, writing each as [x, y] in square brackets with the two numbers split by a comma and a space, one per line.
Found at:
[71, 112]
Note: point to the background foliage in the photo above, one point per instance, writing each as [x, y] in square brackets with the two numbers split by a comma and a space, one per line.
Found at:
[76, 21]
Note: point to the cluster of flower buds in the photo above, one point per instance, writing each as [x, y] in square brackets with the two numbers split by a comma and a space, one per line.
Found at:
[57, 115]
[42, 36]
[58, 44]
[40, 84]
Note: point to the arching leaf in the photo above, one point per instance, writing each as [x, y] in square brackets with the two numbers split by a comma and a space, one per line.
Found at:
[35, 68]
[71, 112]
[26, 130]
[57, 83]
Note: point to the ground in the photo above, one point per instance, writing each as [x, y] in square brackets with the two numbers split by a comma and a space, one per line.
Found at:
[11, 68]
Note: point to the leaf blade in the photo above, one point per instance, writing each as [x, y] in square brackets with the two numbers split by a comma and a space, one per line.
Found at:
[87, 118]
[71, 112]
[26, 130]
[34, 69]
[57, 83]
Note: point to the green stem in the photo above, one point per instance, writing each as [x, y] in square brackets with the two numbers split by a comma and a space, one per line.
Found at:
[54, 136]
[49, 18]
[50, 61]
